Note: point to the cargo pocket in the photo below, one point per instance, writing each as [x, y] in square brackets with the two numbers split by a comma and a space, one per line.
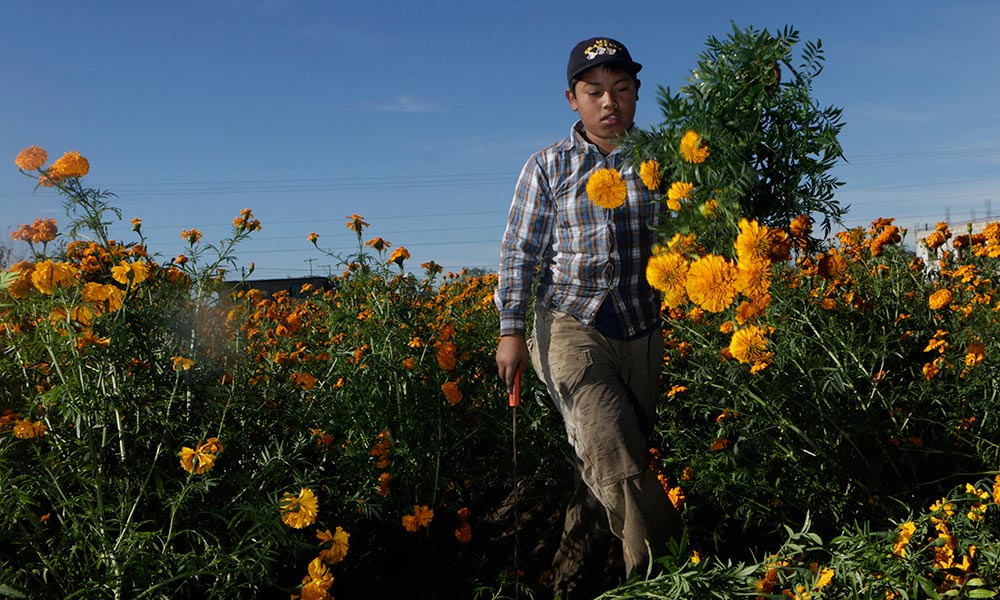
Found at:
[568, 370]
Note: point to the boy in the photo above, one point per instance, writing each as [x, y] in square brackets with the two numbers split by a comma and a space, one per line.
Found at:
[596, 341]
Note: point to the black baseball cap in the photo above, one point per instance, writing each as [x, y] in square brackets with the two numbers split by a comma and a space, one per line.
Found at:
[599, 51]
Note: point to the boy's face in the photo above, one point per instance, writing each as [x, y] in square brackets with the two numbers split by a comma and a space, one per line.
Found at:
[605, 100]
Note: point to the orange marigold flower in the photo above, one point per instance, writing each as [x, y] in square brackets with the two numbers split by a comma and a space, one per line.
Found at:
[906, 531]
[606, 188]
[356, 223]
[26, 430]
[939, 299]
[649, 172]
[446, 356]
[47, 276]
[31, 158]
[313, 237]
[303, 381]
[463, 533]
[421, 517]
[719, 444]
[299, 511]
[693, 148]
[384, 480]
[378, 244]
[43, 230]
[70, 164]
[711, 283]
[679, 190]
[801, 227]
[667, 272]
[398, 256]
[452, 393]
[748, 345]
[202, 458]
[193, 236]
[338, 542]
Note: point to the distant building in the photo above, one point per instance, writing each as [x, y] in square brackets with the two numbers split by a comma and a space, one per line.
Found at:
[960, 228]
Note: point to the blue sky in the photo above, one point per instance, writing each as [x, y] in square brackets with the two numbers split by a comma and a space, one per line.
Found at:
[419, 115]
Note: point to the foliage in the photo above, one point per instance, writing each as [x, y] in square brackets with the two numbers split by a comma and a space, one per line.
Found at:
[772, 146]
[169, 434]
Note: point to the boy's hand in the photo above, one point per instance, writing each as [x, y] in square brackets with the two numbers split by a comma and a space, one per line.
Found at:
[512, 357]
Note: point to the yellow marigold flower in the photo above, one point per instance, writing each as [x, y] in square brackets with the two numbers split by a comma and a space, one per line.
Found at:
[181, 363]
[336, 551]
[748, 345]
[649, 172]
[679, 190]
[975, 353]
[316, 585]
[683, 243]
[421, 517]
[824, 578]
[711, 283]
[70, 164]
[906, 531]
[693, 149]
[709, 208]
[695, 557]
[753, 243]
[677, 497]
[121, 272]
[31, 158]
[47, 276]
[299, 511]
[753, 277]
[199, 460]
[667, 273]
[107, 297]
[606, 188]
[452, 393]
[940, 299]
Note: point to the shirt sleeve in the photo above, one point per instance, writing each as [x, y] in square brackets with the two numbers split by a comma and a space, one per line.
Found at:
[528, 233]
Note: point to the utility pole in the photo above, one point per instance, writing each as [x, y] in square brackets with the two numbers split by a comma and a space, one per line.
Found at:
[310, 261]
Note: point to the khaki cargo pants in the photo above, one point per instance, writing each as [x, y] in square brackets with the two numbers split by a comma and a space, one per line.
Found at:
[606, 391]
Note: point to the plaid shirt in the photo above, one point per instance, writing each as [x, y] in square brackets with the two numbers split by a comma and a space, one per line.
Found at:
[584, 254]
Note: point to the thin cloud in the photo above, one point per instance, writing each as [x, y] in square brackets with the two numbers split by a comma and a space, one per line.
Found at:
[403, 104]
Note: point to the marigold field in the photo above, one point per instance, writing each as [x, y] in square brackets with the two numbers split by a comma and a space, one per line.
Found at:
[828, 426]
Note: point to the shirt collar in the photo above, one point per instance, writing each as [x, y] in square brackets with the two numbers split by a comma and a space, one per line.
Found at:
[579, 140]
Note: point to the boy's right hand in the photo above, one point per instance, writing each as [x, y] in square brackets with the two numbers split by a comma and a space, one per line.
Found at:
[512, 357]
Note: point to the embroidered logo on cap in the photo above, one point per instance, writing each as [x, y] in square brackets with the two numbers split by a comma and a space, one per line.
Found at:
[601, 47]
